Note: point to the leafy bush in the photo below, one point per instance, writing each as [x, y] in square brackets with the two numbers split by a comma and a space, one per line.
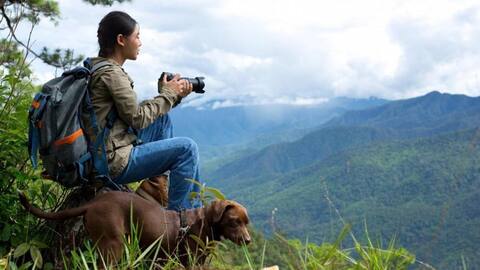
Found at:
[293, 254]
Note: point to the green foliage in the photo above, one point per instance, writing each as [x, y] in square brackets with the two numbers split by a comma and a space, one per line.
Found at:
[63, 59]
[31, 10]
[262, 252]
[133, 257]
[10, 56]
[293, 254]
[17, 228]
[19, 232]
[15, 97]
[33, 247]
[206, 194]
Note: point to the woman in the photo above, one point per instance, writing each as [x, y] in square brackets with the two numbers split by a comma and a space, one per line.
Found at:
[140, 143]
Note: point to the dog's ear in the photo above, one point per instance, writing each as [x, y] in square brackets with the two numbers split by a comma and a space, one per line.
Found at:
[217, 209]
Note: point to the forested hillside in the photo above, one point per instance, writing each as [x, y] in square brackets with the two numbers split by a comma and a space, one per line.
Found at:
[388, 175]
[427, 115]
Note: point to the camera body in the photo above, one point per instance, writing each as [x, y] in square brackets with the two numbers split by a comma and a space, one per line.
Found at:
[197, 82]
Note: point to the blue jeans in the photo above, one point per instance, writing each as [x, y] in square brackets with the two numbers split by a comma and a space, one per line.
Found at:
[161, 152]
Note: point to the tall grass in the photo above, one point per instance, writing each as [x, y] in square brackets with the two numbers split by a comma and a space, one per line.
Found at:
[262, 252]
[276, 250]
[294, 255]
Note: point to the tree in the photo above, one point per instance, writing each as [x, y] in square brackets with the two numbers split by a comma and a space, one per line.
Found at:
[16, 90]
[15, 12]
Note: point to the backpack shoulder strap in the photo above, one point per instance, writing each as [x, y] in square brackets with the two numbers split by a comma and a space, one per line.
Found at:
[99, 155]
[93, 68]
[99, 65]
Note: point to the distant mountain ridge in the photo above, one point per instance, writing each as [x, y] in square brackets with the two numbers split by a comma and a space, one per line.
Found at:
[398, 166]
[430, 114]
[427, 115]
[313, 146]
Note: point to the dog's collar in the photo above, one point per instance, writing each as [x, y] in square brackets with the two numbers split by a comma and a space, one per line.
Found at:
[184, 227]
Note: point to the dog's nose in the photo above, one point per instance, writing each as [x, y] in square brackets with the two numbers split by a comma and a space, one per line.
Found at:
[247, 240]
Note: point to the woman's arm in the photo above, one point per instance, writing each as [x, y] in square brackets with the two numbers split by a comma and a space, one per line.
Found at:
[136, 115]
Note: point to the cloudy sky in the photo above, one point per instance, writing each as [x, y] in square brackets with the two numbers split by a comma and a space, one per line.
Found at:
[285, 51]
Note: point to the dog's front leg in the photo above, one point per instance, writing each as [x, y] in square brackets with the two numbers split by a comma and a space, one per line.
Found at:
[111, 250]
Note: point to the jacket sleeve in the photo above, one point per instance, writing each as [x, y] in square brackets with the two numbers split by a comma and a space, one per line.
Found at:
[136, 115]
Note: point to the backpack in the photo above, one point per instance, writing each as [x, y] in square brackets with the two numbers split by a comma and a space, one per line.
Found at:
[63, 129]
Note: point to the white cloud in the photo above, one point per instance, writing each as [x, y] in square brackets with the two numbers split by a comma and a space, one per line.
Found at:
[301, 51]
[225, 61]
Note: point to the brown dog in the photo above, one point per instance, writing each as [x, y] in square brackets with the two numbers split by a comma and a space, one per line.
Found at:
[107, 221]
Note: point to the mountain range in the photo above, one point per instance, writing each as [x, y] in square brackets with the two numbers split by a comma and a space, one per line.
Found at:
[432, 114]
[407, 169]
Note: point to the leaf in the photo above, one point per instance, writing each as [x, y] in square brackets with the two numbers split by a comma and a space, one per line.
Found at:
[25, 266]
[6, 233]
[36, 256]
[3, 263]
[38, 244]
[48, 266]
[141, 257]
[12, 265]
[193, 195]
[21, 250]
[217, 193]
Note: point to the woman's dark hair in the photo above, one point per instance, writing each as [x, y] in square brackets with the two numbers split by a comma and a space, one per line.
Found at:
[112, 25]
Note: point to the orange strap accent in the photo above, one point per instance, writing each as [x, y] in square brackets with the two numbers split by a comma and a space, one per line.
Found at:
[69, 139]
[35, 104]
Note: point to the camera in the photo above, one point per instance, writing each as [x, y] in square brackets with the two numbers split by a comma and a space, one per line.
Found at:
[197, 82]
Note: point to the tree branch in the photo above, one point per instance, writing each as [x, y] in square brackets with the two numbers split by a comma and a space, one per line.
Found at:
[6, 108]
[12, 32]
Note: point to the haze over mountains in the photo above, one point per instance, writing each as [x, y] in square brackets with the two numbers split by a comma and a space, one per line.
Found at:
[406, 168]
[240, 124]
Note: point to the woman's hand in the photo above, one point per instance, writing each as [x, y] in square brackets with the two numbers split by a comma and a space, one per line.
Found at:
[182, 87]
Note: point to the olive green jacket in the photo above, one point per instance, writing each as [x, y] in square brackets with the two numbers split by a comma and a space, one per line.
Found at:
[111, 87]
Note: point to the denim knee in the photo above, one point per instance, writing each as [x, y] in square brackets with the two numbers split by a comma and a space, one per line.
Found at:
[189, 145]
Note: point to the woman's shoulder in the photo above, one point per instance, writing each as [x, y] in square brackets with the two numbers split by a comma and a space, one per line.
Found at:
[111, 76]
[110, 65]
[112, 71]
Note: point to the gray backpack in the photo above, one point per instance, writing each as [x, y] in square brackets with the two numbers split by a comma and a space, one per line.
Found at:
[63, 129]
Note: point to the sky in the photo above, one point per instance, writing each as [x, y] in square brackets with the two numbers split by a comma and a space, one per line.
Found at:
[300, 52]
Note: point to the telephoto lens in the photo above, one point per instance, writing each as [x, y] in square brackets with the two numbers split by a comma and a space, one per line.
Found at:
[197, 82]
